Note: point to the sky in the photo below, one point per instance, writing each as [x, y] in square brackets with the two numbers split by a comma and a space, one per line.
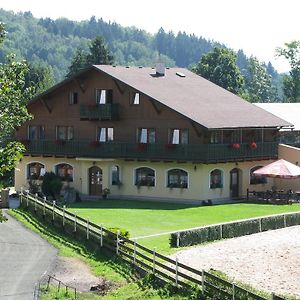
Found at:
[257, 27]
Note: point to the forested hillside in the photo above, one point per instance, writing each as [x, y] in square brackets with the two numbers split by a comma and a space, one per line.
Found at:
[47, 42]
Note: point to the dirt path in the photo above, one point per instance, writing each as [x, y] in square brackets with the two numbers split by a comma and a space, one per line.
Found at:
[268, 261]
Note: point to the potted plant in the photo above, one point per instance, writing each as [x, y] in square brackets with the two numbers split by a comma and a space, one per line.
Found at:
[253, 145]
[105, 193]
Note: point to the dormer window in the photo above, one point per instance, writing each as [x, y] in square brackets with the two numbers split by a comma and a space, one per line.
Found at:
[73, 98]
[103, 96]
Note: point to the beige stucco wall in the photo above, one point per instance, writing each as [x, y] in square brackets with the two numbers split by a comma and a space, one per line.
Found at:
[291, 154]
[198, 177]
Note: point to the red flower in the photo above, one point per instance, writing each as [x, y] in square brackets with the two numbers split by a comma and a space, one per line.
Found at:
[95, 143]
[236, 146]
[253, 145]
[142, 146]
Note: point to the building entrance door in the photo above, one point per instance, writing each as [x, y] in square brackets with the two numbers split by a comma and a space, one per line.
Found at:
[95, 179]
[234, 183]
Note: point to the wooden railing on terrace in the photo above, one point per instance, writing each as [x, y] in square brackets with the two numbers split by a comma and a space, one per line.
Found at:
[205, 153]
[99, 111]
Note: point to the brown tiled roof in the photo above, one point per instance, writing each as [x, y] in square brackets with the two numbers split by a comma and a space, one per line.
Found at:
[194, 97]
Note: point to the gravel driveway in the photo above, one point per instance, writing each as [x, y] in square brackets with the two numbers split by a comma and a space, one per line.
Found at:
[24, 258]
[268, 261]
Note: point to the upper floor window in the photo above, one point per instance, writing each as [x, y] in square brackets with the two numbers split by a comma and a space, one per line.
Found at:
[35, 170]
[177, 178]
[105, 134]
[115, 175]
[73, 98]
[256, 179]
[64, 133]
[36, 132]
[64, 171]
[146, 135]
[216, 137]
[216, 179]
[104, 96]
[144, 177]
[135, 98]
[178, 136]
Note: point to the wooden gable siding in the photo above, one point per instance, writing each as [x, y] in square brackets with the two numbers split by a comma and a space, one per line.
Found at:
[148, 114]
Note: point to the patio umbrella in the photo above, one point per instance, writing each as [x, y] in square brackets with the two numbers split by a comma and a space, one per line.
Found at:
[279, 169]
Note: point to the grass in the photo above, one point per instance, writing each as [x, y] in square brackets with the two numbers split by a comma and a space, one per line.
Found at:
[109, 267]
[146, 218]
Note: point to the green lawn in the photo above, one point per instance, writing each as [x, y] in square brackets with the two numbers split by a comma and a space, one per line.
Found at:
[147, 218]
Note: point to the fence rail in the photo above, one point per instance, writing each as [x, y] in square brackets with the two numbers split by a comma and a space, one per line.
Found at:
[163, 267]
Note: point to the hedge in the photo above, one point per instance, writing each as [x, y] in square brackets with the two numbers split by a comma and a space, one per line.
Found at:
[232, 229]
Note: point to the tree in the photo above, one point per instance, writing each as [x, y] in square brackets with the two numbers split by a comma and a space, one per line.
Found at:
[219, 66]
[39, 78]
[98, 55]
[291, 82]
[14, 97]
[258, 83]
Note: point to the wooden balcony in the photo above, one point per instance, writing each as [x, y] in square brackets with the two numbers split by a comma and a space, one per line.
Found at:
[211, 153]
[99, 111]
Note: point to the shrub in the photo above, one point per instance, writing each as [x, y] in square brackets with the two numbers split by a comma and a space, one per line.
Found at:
[123, 232]
[241, 228]
[2, 218]
[51, 185]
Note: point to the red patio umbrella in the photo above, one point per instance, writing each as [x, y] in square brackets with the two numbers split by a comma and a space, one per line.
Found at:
[279, 169]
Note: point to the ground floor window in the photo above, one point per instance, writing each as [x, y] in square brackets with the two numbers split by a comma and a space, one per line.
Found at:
[64, 171]
[35, 170]
[255, 179]
[115, 175]
[177, 178]
[144, 177]
[216, 179]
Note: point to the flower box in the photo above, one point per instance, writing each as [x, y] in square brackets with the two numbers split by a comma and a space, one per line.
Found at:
[95, 143]
[253, 145]
[236, 146]
[60, 142]
[170, 146]
[142, 146]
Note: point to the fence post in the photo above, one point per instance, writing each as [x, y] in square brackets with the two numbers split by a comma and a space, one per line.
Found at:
[64, 208]
[101, 236]
[75, 220]
[176, 274]
[44, 208]
[154, 259]
[27, 204]
[260, 227]
[134, 252]
[35, 200]
[284, 221]
[117, 249]
[221, 232]
[178, 240]
[21, 196]
[53, 205]
[87, 229]
[233, 291]
[203, 283]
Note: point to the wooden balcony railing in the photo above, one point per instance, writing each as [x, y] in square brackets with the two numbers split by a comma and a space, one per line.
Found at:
[195, 153]
[99, 111]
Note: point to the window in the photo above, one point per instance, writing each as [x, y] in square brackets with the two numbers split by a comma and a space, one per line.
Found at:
[177, 178]
[103, 96]
[36, 132]
[105, 134]
[35, 170]
[256, 179]
[64, 133]
[135, 98]
[215, 137]
[216, 179]
[146, 135]
[144, 177]
[73, 98]
[178, 136]
[64, 171]
[115, 175]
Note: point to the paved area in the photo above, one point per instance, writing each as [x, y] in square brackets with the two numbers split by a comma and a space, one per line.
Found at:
[24, 258]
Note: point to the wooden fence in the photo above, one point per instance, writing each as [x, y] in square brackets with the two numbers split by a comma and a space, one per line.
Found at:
[144, 259]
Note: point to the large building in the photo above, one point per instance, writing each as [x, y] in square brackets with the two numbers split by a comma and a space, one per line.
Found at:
[163, 134]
